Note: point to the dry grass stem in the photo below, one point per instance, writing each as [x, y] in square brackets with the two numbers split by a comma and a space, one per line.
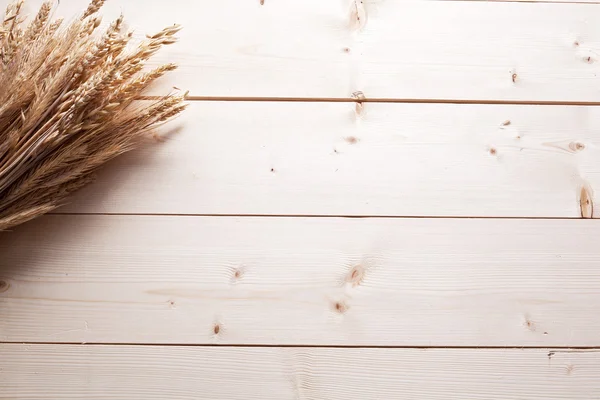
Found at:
[70, 104]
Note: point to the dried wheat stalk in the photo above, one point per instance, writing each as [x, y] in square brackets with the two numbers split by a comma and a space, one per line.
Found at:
[67, 104]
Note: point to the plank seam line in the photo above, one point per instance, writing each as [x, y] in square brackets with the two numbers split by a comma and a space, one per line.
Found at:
[307, 216]
[380, 100]
[556, 349]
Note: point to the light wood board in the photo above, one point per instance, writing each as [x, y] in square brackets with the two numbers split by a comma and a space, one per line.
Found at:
[378, 159]
[468, 50]
[178, 296]
[186, 373]
[301, 281]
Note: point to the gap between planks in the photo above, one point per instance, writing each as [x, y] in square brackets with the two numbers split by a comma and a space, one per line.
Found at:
[380, 100]
[551, 349]
[308, 216]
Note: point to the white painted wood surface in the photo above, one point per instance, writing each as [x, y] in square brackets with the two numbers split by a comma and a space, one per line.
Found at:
[468, 50]
[380, 159]
[186, 373]
[301, 281]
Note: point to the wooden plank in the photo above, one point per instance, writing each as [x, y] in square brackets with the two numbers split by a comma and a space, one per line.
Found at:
[301, 281]
[149, 372]
[535, 1]
[377, 159]
[386, 49]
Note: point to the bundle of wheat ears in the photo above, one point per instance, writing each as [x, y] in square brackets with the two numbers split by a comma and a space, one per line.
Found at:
[68, 104]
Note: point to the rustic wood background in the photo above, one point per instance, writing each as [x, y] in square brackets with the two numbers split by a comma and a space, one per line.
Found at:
[366, 199]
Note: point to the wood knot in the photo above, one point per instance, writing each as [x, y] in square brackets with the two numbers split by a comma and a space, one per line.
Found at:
[506, 123]
[530, 324]
[585, 203]
[358, 14]
[238, 273]
[351, 140]
[262, 2]
[359, 108]
[359, 97]
[346, 49]
[216, 329]
[514, 77]
[493, 151]
[570, 368]
[576, 146]
[356, 275]
[340, 307]
[4, 286]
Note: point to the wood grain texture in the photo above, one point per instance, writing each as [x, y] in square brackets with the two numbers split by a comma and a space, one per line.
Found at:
[386, 49]
[532, 1]
[377, 159]
[36, 372]
[301, 281]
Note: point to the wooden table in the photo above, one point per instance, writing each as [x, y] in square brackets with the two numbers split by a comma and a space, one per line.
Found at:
[376, 199]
